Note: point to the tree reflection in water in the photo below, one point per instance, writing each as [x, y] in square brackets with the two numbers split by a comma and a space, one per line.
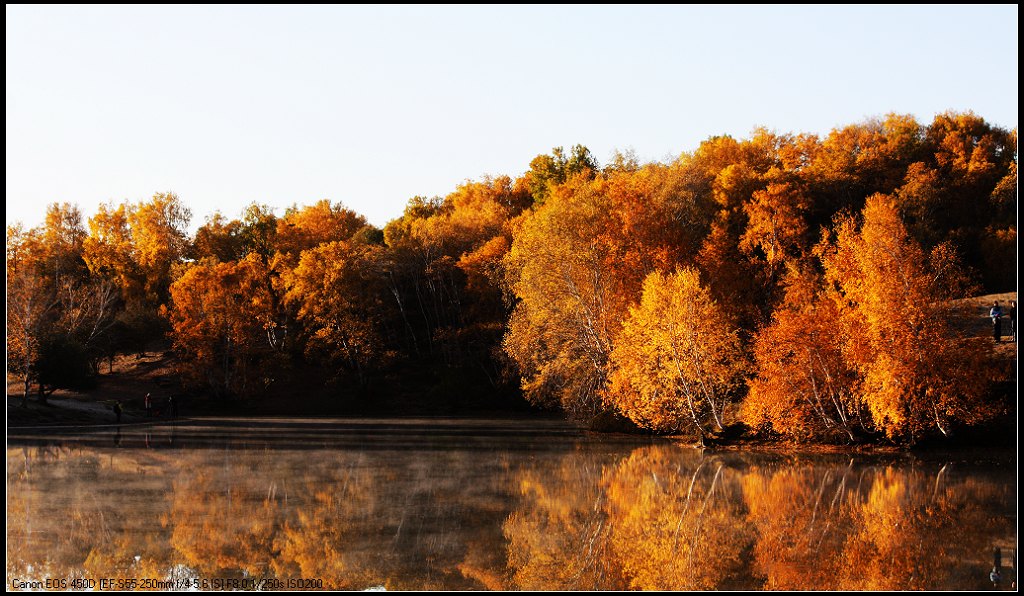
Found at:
[591, 514]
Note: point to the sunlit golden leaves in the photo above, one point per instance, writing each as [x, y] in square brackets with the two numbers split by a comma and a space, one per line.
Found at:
[308, 227]
[221, 314]
[576, 264]
[892, 312]
[677, 362]
[337, 289]
[776, 223]
[109, 249]
[159, 237]
[804, 388]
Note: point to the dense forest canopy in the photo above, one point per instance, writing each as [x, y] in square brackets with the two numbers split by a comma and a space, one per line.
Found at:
[796, 283]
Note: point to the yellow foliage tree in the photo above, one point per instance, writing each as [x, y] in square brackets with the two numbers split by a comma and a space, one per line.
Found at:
[561, 270]
[159, 239]
[109, 250]
[677, 361]
[61, 243]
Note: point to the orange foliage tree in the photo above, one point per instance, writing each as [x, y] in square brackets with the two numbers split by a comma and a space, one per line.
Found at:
[337, 289]
[313, 225]
[804, 387]
[221, 314]
[776, 224]
[894, 310]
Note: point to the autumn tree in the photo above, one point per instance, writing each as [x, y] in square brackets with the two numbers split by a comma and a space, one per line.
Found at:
[338, 291]
[443, 273]
[547, 171]
[677, 362]
[570, 298]
[109, 249]
[857, 160]
[222, 323]
[219, 239]
[61, 242]
[728, 173]
[258, 231]
[88, 312]
[972, 159]
[776, 226]
[893, 314]
[57, 316]
[159, 240]
[804, 387]
[29, 304]
[30, 309]
[999, 239]
[24, 249]
[310, 226]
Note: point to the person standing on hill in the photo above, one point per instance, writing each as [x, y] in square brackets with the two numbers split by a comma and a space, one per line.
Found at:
[996, 313]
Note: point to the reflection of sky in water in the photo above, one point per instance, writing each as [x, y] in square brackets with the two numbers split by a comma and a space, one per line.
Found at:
[501, 504]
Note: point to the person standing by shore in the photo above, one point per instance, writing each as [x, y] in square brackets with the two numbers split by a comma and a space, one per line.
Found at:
[996, 313]
[149, 405]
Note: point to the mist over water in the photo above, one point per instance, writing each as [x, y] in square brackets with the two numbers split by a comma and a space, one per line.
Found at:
[494, 504]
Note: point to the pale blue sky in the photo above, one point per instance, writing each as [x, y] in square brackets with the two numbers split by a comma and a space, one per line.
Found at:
[373, 105]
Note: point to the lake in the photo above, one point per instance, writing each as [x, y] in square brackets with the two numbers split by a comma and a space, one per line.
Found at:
[448, 503]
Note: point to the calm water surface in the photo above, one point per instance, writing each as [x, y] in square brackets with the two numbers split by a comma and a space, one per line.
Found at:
[494, 504]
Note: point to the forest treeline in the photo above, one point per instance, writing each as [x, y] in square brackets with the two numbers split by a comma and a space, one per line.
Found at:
[795, 283]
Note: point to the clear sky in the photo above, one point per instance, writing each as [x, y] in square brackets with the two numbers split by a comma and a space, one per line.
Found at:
[373, 105]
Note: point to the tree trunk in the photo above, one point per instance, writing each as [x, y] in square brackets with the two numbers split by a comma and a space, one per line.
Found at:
[28, 383]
